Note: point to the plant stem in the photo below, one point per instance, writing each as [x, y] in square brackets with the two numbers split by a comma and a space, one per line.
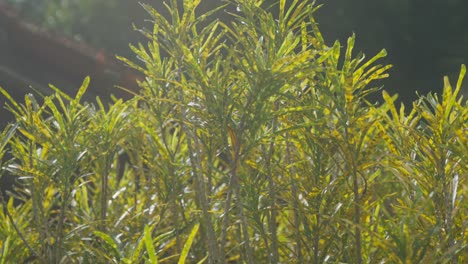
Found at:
[239, 201]
[213, 250]
[357, 219]
[297, 222]
[104, 185]
[273, 254]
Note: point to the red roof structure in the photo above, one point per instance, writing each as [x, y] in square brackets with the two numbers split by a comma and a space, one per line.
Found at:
[31, 56]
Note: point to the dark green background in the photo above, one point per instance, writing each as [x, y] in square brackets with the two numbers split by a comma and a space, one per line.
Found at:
[425, 40]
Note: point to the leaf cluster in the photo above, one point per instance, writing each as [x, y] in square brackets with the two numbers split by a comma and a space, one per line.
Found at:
[252, 142]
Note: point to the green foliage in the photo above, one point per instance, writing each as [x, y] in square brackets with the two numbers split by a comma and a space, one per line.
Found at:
[252, 142]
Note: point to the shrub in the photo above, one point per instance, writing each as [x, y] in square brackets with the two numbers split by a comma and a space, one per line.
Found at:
[252, 142]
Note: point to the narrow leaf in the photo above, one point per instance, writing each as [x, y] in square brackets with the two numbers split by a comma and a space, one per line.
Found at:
[149, 246]
[188, 244]
[82, 90]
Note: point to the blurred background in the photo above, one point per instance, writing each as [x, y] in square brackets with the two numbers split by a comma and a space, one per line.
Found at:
[425, 40]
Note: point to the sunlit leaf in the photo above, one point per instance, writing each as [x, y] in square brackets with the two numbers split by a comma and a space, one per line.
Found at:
[149, 246]
[188, 244]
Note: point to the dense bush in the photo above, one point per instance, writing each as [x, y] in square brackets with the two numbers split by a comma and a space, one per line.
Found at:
[252, 142]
